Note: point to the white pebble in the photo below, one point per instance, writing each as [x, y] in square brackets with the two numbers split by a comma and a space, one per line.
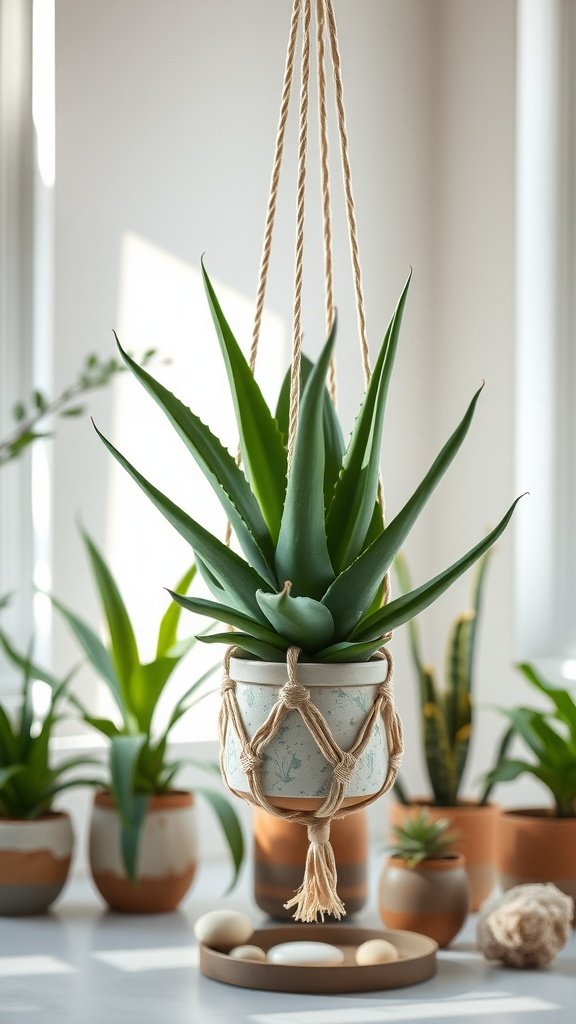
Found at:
[376, 951]
[247, 953]
[223, 929]
[313, 953]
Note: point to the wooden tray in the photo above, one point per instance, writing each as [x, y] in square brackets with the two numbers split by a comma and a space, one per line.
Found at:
[417, 963]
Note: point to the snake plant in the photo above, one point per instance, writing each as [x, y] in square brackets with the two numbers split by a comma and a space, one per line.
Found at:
[446, 717]
[316, 549]
[421, 839]
[140, 761]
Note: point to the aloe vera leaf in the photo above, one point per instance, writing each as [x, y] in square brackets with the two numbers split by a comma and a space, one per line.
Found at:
[354, 589]
[239, 580]
[230, 825]
[125, 752]
[123, 647]
[302, 552]
[348, 652]
[223, 613]
[355, 491]
[265, 652]
[263, 452]
[220, 469]
[300, 620]
[168, 631]
[409, 605]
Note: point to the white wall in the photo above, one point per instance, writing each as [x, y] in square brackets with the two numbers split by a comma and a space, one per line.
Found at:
[166, 117]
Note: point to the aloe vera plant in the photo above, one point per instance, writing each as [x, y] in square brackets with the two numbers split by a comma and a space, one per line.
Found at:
[29, 780]
[140, 761]
[446, 715]
[549, 738]
[421, 839]
[316, 549]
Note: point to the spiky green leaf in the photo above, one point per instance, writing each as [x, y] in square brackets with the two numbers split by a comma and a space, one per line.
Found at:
[300, 620]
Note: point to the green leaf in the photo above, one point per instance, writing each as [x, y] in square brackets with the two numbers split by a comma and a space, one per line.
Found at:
[230, 826]
[562, 699]
[300, 620]
[409, 605]
[168, 632]
[6, 774]
[302, 553]
[238, 579]
[200, 606]
[400, 792]
[147, 685]
[457, 699]
[125, 752]
[94, 650]
[130, 834]
[354, 589]
[124, 650]
[348, 652]
[355, 492]
[261, 444]
[500, 756]
[256, 648]
[72, 411]
[219, 468]
[477, 595]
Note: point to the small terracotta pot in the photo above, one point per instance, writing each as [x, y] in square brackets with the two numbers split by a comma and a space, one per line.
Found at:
[166, 856]
[476, 830]
[534, 846]
[431, 898]
[280, 849]
[34, 862]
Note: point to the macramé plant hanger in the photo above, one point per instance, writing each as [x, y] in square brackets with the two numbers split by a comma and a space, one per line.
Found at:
[309, 602]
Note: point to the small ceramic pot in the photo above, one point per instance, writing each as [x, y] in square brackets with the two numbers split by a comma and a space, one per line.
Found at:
[534, 846]
[476, 829]
[432, 898]
[295, 774]
[280, 849]
[166, 856]
[34, 862]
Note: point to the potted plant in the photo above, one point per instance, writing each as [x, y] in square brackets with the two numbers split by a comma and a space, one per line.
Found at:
[313, 576]
[143, 835]
[423, 885]
[539, 844]
[447, 718]
[36, 841]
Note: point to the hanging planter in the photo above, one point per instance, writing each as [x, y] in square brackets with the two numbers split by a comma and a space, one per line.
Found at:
[310, 596]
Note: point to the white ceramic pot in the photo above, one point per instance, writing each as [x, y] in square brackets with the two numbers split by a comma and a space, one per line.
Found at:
[34, 862]
[167, 854]
[294, 772]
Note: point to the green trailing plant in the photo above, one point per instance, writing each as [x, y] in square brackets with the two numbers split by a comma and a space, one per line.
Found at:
[316, 550]
[421, 839]
[447, 714]
[549, 738]
[140, 761]
[29, 417]
[29, 780]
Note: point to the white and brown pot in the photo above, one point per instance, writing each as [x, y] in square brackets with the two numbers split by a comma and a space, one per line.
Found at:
[535, 846]
[294, 773]
[167, 854]
[34, 862]
[475, 827]
[432, 898]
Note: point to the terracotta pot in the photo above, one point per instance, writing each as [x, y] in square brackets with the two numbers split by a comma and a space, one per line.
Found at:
[34, 862]
[166, 856]
[280, 849]
[476, 827]
[295, 774]
[431, 898]
[534, 846]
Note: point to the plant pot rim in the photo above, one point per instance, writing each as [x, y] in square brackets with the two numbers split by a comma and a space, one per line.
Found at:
[463, 805]
[537, 814]
[171, 800]
[42, 818]
[310, 673]
[448, 863]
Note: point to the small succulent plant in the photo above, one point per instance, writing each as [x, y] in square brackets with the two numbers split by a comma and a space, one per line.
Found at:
[316, 548]
[421, 838]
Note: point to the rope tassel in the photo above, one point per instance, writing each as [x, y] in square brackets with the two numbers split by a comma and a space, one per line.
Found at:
[318, 894]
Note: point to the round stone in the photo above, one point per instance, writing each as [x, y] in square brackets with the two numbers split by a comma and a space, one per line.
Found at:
[376, 951]
[305, 953]
[247, 953]
[223, 929]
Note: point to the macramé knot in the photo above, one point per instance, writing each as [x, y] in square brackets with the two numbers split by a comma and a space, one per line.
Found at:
[227, 685]
[293, 695]
[344, 770]
[249, 761]
[385, 690]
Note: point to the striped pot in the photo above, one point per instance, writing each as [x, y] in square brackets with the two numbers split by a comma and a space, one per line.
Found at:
[431, 898]
[34, 862]
[280, 849]
[534, 846]
[166, 856]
